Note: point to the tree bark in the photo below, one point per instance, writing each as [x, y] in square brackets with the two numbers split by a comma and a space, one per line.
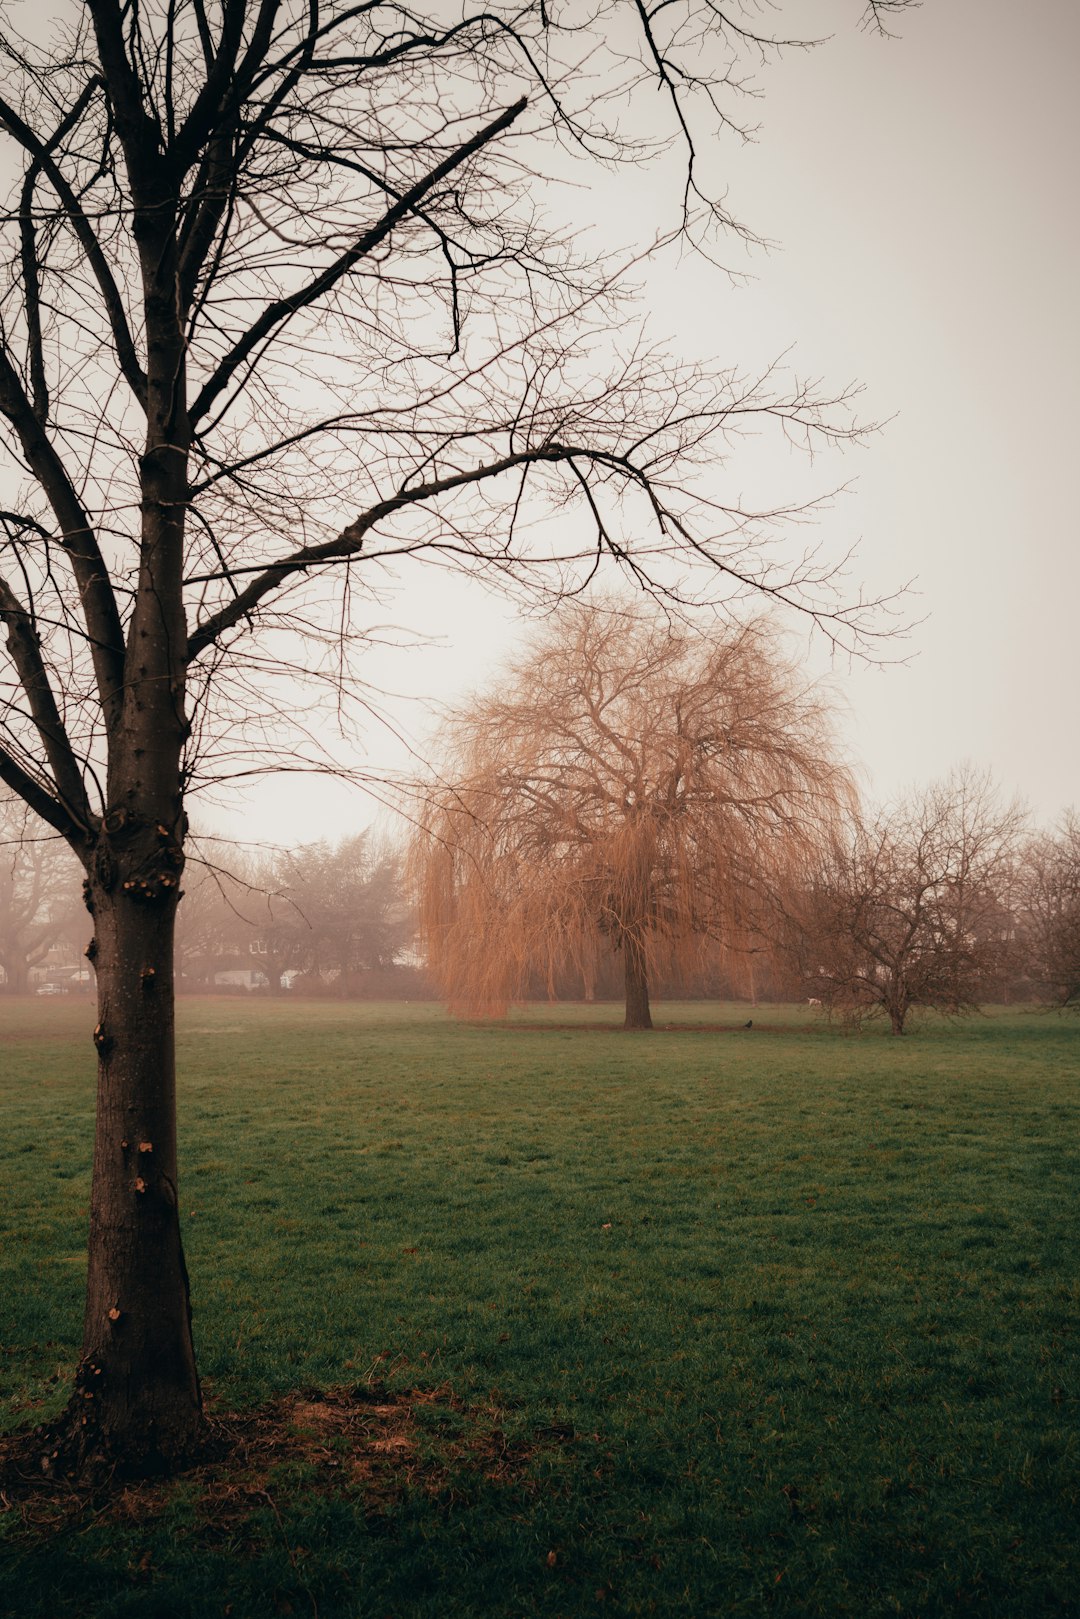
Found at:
[638, 1015]
[137, 1399]
[897, 1016]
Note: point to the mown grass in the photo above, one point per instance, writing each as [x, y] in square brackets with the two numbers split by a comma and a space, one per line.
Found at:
[770, 1321]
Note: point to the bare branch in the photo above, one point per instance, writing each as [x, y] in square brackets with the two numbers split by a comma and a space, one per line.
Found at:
[25, 649]
[350, 541]
[13, 775]
[43, 160]
[282, 309]
[99, 603]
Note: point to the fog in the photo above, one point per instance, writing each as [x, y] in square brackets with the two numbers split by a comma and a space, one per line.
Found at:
[921, 191]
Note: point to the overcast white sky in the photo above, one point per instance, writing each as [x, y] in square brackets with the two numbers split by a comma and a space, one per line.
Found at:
[924, 193]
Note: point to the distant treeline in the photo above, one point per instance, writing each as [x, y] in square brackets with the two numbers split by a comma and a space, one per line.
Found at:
[947, 900]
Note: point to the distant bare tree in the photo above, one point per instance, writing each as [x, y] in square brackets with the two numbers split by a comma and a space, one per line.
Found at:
[1050, 912]
[39, 892]
[222, 913]
[329, 910]
[628, 784]
[906, 913]
[281, 309]
[334, 910]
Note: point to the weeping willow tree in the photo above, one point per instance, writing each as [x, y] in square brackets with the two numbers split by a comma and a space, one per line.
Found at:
[629, 785]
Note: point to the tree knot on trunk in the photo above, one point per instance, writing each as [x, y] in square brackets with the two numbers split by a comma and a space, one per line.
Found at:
[87, 1377]
[151, 888]
[129, 837]
[143, 858]
[104, 867]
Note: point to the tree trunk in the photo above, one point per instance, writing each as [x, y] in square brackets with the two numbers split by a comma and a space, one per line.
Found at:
[137, 1400]
[638, 1015]
[17, 981]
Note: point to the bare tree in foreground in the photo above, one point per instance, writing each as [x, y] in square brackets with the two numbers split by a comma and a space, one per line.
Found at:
[628, 785]
[907, 910]
[280, 310]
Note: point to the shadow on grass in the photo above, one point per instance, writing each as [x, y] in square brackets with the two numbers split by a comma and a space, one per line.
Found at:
[265, 1492]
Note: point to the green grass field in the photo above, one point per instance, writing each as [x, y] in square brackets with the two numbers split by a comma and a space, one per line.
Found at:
[704, 1322]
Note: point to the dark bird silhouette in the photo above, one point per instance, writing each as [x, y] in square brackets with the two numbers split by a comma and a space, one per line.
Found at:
[749, 1024]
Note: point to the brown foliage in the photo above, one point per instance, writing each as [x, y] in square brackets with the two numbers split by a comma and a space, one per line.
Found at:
[632, 786]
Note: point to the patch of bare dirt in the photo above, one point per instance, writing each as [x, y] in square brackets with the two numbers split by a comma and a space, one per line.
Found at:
[362, 1440]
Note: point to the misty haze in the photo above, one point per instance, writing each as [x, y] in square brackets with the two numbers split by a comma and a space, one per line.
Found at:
[539, 859]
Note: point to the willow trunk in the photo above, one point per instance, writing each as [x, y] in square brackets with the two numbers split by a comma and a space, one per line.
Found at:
[636, 979]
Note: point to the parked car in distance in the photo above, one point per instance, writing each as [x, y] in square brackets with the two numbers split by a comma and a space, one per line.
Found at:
[52, 989]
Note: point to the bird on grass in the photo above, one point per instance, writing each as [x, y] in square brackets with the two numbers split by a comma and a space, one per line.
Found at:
[749, 1024]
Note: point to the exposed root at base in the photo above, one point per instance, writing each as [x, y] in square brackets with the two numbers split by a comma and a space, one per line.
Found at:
[75, 1452]
[347, 1439]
